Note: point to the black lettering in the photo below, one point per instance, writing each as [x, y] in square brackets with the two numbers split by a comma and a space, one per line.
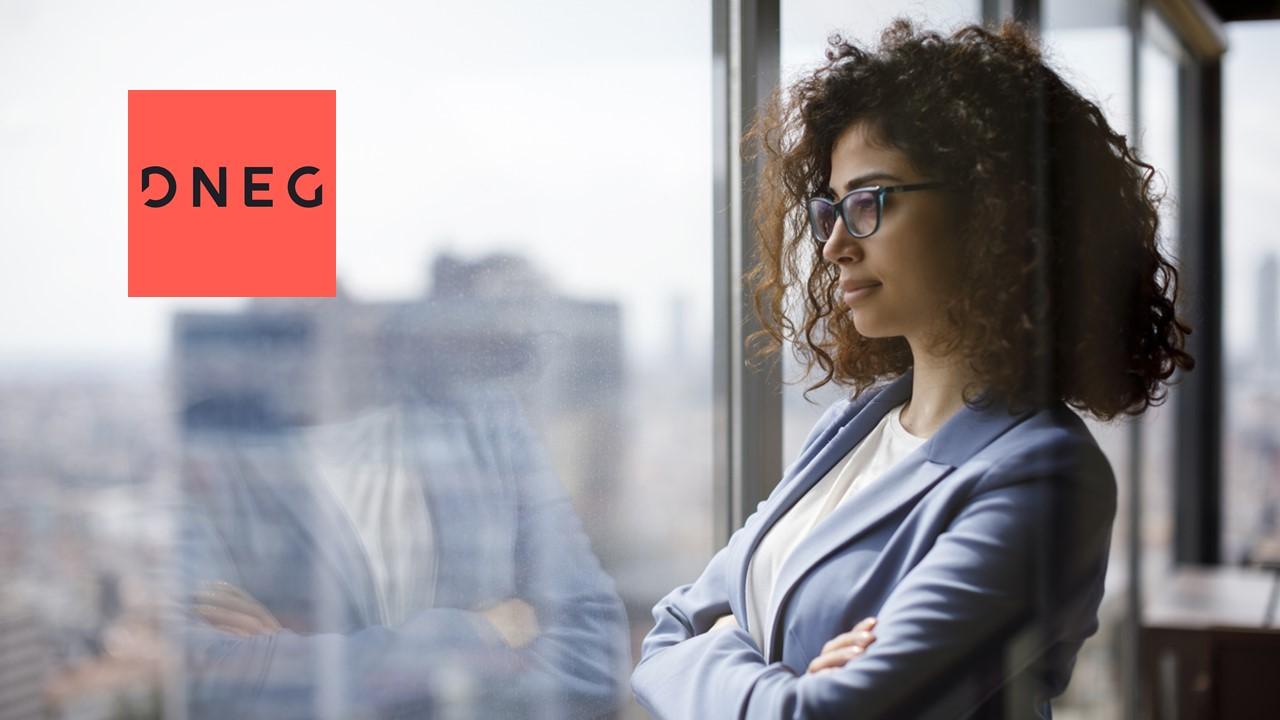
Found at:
[315, 199]
[256, 188]
[200, 177]
[150, 170]
[250, 187]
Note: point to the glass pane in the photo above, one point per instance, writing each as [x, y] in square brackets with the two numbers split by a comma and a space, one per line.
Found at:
[1090, 48]
[1160, 57]
[806, 24]
[459, 486]
[1251, 382]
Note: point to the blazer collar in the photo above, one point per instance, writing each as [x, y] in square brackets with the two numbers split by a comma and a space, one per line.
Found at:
[274, 468]
[962, 435]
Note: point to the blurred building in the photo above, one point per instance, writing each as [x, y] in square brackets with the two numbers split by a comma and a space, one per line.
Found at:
[1268, 360]
[287, 362]
[26, 663]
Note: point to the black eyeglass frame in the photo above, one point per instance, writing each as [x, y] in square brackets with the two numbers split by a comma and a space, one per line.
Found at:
[838, 205]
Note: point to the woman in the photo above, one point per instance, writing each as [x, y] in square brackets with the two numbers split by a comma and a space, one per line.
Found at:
[416, 557]
[961, 223]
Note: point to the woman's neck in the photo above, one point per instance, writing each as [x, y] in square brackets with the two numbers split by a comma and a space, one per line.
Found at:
[937, 387]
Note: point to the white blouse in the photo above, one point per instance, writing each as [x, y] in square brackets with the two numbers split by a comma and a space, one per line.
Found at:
[886, 444]
[363, 465]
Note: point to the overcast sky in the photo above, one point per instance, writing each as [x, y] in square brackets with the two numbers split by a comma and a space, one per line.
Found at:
[575, 131]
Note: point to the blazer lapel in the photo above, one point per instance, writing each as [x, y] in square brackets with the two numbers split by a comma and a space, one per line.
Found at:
[277, 467]
[903, 483]
[962, 435]
[826, 451]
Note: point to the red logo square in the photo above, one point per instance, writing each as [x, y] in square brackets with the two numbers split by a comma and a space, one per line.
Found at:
[239, 193]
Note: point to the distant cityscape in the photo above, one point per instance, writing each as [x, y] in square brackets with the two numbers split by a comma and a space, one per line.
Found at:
[86, 465]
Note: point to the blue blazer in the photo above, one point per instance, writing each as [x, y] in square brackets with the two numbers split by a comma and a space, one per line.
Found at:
[504, 528]
[982, 554]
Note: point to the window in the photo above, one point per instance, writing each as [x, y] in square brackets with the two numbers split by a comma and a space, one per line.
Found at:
[524, 263]
[1251, 381]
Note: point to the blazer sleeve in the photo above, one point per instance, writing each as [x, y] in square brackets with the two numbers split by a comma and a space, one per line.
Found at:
[691, 609]
[985, 580]
[577, 664]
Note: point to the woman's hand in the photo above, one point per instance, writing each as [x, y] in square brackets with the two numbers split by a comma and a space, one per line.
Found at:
[230, 609]
[515, 621]
[844, 647]
[724, 621]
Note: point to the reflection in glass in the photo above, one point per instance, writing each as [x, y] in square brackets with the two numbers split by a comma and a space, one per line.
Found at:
[1090, 46]
[1251, 314]
[397, 545]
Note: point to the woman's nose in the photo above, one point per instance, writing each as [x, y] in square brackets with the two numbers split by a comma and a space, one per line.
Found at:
[840, 245]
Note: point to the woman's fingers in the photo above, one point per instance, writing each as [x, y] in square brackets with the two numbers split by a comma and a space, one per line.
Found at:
[229, 620]
[724, 621]
[861, 636]
[845, 646]
[515, 620]
[835, 658]
[244, 602]
[226, 600]
[234, 608]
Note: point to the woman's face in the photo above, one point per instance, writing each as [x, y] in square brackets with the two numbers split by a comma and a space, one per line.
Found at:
[910, 259]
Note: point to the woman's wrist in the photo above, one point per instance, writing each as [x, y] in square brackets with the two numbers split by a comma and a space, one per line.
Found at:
[724, 621]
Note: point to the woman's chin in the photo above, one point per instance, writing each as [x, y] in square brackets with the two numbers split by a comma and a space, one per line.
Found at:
[866, 326]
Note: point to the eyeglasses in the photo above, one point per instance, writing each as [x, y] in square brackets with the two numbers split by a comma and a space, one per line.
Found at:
[861, 210]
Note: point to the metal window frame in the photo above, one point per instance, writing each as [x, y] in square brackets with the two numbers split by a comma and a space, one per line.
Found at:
[747, 425]
[1197, 495]
[748, 422]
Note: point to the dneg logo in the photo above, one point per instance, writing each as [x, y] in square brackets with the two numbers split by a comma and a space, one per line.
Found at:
[231, 193]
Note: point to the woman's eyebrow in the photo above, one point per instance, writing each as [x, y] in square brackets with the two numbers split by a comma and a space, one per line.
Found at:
[863, 178]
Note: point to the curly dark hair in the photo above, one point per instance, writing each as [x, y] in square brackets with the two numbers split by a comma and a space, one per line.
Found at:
[1069, 295]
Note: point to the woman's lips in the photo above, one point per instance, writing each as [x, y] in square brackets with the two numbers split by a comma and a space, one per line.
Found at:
[859, 293]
